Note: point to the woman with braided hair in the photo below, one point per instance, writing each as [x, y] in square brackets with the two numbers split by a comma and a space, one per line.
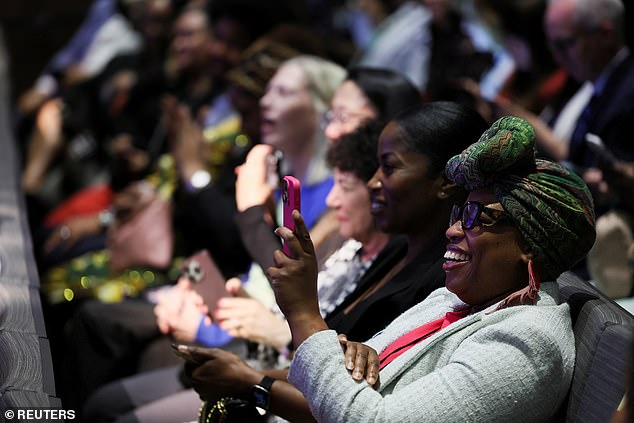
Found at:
[495, 344]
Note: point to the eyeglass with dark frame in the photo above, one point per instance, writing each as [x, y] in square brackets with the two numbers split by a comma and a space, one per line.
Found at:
[469, 215]
[340, 116]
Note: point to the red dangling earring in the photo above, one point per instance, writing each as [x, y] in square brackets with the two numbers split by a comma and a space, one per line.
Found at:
[533, 281]
[525, 296]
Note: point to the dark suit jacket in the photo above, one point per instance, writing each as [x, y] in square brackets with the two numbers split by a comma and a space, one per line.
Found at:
[611, 118]
[407, 288]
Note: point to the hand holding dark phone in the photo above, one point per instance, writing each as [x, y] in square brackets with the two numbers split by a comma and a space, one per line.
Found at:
[181, 351]
[290, 201]
[205, 278]
[606, 158]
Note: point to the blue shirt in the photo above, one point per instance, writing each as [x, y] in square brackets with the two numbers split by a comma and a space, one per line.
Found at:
[313, 205]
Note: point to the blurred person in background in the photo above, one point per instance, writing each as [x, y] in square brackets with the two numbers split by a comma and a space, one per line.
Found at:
[368, 94]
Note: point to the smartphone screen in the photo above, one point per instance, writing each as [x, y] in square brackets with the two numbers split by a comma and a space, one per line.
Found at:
[290, 201]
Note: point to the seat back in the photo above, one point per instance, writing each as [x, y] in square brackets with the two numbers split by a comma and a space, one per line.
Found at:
[603, 336]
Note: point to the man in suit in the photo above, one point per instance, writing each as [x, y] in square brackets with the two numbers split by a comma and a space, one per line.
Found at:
[587, 38]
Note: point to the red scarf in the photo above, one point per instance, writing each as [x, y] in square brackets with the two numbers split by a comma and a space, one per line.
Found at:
[417, 335]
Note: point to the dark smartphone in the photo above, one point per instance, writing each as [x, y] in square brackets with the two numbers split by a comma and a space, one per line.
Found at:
[274, 168]
[605, 157]
[290, 201]
[182, 354]
[205, 278]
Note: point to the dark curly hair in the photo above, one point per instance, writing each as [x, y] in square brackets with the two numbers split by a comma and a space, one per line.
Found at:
[356, 152]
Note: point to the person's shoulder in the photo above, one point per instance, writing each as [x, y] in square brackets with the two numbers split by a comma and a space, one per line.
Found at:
[548, 326]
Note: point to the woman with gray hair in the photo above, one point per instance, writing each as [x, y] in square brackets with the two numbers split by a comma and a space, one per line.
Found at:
[292, 107]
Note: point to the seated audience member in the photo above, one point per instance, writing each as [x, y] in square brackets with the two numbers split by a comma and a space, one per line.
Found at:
[292, 107]
[87, 52]
[408, 185]
[597, 53]
[76, 123]
[451, 357]
[354, 162]
[605, 62]
[291, 110]
[204, 45]
[125, 125]
[587, 39]
[207, 221]
[368, 93]
[353, 159]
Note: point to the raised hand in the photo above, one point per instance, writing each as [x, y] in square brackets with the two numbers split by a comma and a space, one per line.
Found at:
[252, 188]
[294, 282]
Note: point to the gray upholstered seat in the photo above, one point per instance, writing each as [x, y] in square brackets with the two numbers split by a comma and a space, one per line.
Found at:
[603, 335]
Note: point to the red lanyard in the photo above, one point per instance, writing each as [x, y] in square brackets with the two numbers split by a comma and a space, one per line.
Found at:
[417, 335]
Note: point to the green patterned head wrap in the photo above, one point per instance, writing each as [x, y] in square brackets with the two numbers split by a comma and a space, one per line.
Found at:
[550, 205]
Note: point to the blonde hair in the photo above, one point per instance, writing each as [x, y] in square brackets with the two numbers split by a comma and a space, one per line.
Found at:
[323, 78]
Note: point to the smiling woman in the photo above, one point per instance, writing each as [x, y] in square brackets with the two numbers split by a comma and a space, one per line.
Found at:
[495, 345]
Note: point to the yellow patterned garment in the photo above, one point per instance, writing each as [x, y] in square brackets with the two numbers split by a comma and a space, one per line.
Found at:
[89, 275]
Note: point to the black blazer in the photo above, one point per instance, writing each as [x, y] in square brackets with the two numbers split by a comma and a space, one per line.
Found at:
[407, 288]
[611, 117]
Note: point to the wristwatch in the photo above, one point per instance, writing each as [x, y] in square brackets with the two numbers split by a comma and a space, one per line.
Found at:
[106, 217]
[199, 180]
[261, 393]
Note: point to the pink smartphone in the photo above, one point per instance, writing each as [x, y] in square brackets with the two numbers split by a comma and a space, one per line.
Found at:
[290, 201]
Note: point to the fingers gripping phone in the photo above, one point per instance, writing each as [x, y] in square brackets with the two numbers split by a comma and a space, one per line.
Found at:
[290, 202]
[605, 156]
[176, 349]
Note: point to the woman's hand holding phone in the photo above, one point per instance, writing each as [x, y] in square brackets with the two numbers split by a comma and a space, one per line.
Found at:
[294, 281]
[183, 351]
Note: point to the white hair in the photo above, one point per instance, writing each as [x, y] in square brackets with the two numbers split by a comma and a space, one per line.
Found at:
[589, 14]
[323, 77]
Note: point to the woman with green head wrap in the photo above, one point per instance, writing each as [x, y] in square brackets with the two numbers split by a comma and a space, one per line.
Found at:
[550, 208]
[494, 345]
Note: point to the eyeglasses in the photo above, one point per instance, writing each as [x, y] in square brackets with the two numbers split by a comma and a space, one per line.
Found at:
[469, 215]
[340, 116]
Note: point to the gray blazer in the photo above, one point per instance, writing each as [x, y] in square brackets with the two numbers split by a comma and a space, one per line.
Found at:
[514, 364]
